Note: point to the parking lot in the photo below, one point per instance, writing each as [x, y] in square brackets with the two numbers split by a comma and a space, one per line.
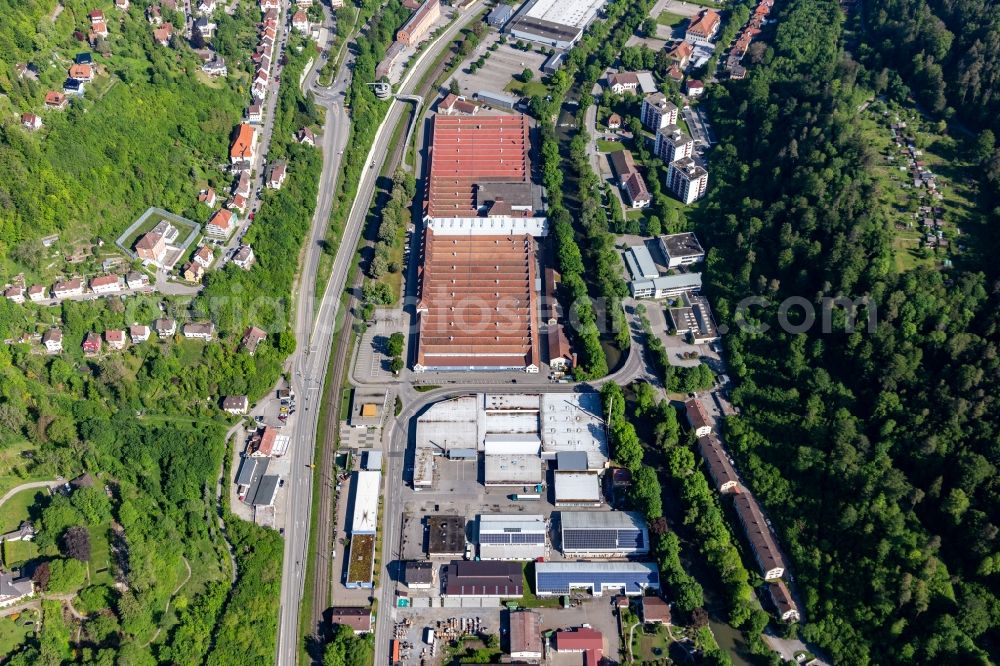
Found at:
[499, 69]
[371, 362]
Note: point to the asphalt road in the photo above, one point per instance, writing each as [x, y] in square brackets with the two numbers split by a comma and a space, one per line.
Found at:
[314, 332]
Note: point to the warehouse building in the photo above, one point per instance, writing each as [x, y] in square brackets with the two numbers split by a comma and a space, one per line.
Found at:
[478, 306]
[628, 578]
[511, 537]
[525, 635]
[605, 534]
[445, 536]
[512, 431]
[555, 23]
[783, 602]
[577, 488]
[367, 491]
[484, 579]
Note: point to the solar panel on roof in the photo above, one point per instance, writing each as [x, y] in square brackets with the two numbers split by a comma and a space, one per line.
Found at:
[603, 539]
[630, 582]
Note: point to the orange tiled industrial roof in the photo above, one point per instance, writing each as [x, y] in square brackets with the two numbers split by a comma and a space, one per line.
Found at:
[477, 303]
[470, 150]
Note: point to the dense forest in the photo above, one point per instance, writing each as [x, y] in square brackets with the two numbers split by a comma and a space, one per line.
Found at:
[874, 447]
[143, 423]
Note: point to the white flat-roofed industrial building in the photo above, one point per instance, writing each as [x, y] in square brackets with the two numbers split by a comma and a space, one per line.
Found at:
[574, 422]
[512, 470]
[512, 536]
[557, 23]
[512, 430]
[366, 495]
[577, 489]
[593, 534]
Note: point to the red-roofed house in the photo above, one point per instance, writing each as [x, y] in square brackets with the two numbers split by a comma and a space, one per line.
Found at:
[262, 442]
[106, 284]
[207, 197]
[300, 21]
[96, 16]
[55, 100]
[31, 121]
[99, 29]
[115, 338]
[151, 247]
[705, 27]
[92, 344]
[695, 88]
[244, 144]
[221, 224]
[621, 82]
[163, 34]
[614, 121]
[81, 72]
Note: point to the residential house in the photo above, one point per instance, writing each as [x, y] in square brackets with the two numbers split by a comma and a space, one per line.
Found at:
[151, 247]
[122, 5]
[74, 87]
[194, 331]
[96, 16]
[154, 15]
[165, 328]
[738, 72]
[581, 639]
[300, 21]
[136, 280]
[635, 188]
[266, 5]
[655, 610]
[205, 28]
[81, 72]
[720, 470]
[138, 333]
[255, 113]
[24, 532]
[262, 442]
[207, 197]
[98, 30]
[694, 88]
[244, 145]
[697, 417]
[194, 272]
[242, 185]
[205, 7]
[251, 338]
[259, 86]
[358, 618]
[203, 256]
[163, 34]
[215, 66]
[26, 70]
[687, 180]
[783, 602]
[115, 338]
[14, 588]
[614, 121]
[52, 340]
[31, 121]
[277, 174]
[675, 74]
[55, 100]
[68, 288]
[37, 293]
[453, 104]
[221, 224]
[306, 137]
[106, 284]
[14, 294]
[237, 203]
[622, 82]
[91, 344]
[236, 404]
[657, 112]
[681, 54]
[704, 27]
[244, 257]
[758, 533]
